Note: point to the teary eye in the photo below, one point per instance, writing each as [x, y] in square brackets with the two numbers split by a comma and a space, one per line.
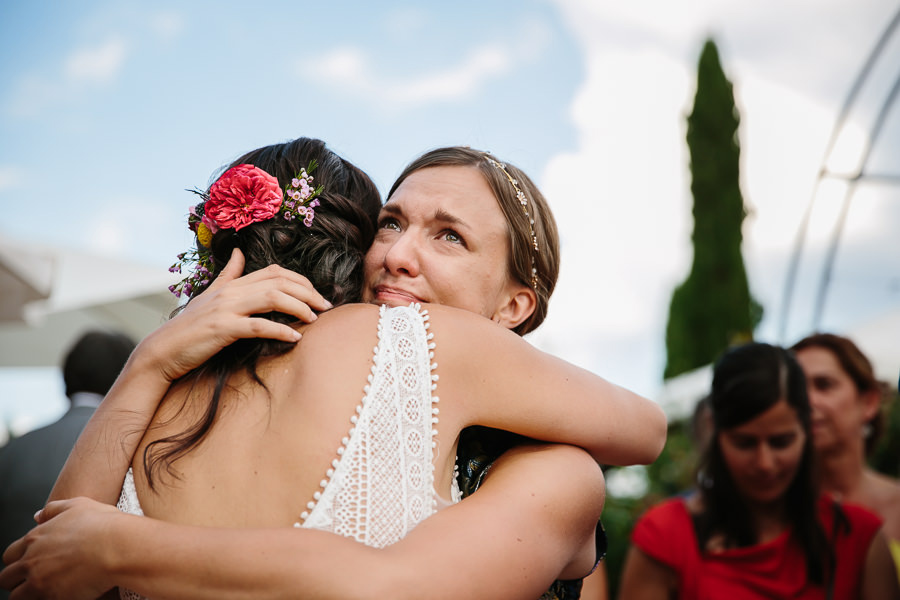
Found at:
[388, 223]
[452, 236]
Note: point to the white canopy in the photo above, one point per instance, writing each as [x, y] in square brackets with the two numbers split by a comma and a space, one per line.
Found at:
[50, 296]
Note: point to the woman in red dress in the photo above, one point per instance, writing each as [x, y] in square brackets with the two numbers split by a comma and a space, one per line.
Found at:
[758, 526]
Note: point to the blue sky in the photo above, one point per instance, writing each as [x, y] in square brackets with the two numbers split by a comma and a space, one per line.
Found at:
[110, 109]
[129, 104]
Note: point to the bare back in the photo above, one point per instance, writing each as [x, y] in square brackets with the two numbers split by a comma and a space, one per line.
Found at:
[268, 453]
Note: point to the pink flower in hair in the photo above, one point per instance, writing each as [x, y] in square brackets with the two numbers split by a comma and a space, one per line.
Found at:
[210, 224]
[243, 195]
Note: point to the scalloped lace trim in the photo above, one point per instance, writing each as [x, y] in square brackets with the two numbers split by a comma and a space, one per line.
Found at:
[381, 484]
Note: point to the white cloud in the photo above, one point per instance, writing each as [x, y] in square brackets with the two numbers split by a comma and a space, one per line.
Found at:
[167, 25]
[99, 64]
[402, 21]
[11, 177]
[87, 66]
[344, 66]
[622, 197]
[350, 70]
[33, 94]
[532, 38]
[457, 82]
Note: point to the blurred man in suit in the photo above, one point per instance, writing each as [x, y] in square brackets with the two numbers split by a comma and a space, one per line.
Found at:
[29, 464]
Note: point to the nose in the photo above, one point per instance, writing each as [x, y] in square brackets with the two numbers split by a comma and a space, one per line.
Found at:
[815, 397]
[401, 257]
[765, 458]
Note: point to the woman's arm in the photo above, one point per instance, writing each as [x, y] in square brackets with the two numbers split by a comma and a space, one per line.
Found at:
[506, 383]
[211, 321]
[532, 521]
[646, 579]
[596, 585]
[879, 580]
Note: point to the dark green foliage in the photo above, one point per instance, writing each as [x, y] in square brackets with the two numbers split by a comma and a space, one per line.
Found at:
[712, 308]
[886, 455]
[671, 474]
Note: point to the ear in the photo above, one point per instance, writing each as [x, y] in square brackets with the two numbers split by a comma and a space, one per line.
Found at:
[520, 302]
[871, 404]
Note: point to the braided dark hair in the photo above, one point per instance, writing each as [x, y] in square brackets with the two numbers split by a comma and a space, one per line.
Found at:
[329, 253]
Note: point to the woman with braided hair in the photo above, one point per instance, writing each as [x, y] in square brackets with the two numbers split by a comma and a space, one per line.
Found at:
[446, 235]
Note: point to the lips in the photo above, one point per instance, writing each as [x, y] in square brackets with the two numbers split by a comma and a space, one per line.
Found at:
[394, 296]
[767, 482]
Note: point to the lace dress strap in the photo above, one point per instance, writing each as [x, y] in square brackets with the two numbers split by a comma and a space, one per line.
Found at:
[128, 499]
[382, 483]
[128, 503]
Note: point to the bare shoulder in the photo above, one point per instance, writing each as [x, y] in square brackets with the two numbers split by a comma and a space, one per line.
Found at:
[471, 341]
[335, 343]
[886, 501]
[347, 322]
[452, 322]
[572, 470]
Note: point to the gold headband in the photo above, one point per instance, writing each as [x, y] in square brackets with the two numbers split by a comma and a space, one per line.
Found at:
[523, 201]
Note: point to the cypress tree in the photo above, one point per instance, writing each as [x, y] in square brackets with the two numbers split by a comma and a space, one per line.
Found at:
[712, 308]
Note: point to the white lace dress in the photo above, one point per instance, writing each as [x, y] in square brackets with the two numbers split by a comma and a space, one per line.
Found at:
[381, 484]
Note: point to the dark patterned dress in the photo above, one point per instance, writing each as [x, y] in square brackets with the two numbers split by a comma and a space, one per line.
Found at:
[478, 448]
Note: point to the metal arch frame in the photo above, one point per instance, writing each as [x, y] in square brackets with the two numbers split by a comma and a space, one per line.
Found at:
[852, 180]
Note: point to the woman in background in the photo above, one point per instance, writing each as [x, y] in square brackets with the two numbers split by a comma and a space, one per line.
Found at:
[442, 226]
[758, 527]
[847, 421]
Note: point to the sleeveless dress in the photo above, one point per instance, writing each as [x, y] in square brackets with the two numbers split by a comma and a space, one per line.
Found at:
[381, 484]
[774, 570]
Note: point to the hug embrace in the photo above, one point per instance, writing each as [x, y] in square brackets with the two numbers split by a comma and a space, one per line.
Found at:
[342, 374]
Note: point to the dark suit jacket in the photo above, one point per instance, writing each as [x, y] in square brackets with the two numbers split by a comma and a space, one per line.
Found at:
[28, 469]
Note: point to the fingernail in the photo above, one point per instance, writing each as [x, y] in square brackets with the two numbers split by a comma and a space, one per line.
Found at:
[36, 515]
[328, 304]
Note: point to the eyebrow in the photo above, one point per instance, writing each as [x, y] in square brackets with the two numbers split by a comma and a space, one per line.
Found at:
[445, 217]
[439, 215]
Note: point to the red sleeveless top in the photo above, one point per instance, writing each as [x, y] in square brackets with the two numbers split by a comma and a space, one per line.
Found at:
[774, 570]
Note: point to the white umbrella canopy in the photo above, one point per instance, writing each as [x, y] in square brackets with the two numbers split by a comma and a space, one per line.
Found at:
[50, 296]
[25, 276]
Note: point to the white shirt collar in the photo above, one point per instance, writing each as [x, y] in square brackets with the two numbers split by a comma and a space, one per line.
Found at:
[85, 399]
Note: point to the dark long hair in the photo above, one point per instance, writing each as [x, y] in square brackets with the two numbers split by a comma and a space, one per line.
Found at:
[747, 381]
[329, 253]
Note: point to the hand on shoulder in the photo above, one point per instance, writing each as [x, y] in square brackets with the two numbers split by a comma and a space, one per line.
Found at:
[224, 313]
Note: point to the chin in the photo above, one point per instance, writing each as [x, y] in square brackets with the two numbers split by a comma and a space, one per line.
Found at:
[769, 498]
[823, 441]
